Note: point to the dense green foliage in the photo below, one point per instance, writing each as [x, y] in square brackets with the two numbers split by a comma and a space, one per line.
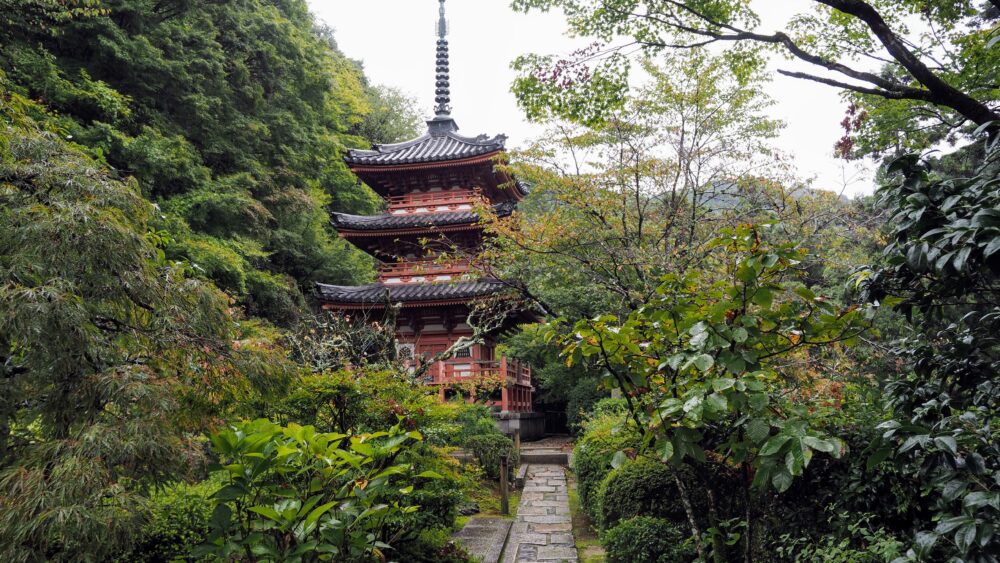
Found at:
[641, 487]
[645, 539]
[605, 434]
[110, 352]
[231, 117]
[937, 56]
[296, 494]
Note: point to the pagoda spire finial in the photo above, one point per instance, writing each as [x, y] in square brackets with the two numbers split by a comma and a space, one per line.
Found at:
[442, 91]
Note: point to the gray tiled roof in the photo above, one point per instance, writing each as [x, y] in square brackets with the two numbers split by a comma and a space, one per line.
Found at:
[440, 143]
[388, 221]
[378, 293]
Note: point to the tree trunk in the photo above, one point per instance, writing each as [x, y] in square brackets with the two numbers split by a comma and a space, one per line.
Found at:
[718, 543]
[689, 510]
[748, 515]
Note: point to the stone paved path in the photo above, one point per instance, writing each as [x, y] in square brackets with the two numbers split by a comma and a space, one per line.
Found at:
[543, 530]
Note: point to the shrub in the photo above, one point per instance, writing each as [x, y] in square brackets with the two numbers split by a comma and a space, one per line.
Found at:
[453, 423]
[296, 494]
[437, 498]
[179, 521]
[603, 437]
[432, 546]
[644, 487]
[489, 449]
[644, 539]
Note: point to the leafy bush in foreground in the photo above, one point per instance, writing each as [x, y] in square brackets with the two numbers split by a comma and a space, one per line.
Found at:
[296, 494]
[644, 539]
[603, 437]
[644, 487]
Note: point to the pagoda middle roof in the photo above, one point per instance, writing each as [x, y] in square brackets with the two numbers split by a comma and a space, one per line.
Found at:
[377, 294]
[441, 143]
[389, 221]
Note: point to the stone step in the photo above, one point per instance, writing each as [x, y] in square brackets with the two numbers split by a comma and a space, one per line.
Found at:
[542, 457]
[485, 537]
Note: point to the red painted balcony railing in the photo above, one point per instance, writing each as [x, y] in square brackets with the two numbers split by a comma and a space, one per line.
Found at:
[432, 200]
[459, 370]
[422, 268]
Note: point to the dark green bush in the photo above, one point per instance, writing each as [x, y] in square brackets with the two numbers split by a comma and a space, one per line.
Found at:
[431, 546]
[644, 487]
[648, 540]
[603, 436]
[179, 522]
[489, 449]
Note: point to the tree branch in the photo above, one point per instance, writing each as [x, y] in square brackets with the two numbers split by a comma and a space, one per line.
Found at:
[944, 93]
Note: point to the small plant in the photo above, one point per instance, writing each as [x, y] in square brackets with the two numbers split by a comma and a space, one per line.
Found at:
[293, 494]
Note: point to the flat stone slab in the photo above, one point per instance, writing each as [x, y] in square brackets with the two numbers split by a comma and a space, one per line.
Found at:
[485, 537]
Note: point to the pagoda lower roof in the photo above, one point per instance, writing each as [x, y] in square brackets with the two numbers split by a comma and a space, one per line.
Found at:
[394, 222]
[409, 294]
[440, 143]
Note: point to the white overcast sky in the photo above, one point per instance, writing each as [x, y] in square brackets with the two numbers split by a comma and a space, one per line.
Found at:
[395, 39]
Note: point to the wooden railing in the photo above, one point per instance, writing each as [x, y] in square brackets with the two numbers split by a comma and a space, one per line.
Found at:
[422, 268]
[432, 200]
[458, 370]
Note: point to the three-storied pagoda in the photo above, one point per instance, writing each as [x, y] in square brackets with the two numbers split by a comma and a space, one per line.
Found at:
[432, 186]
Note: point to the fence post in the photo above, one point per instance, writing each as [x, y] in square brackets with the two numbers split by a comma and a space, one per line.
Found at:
[504, 496]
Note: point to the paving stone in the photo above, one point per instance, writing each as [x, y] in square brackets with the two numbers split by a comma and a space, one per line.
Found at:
[549, 528]
[548, 519]
[530, 538]
[556, 553]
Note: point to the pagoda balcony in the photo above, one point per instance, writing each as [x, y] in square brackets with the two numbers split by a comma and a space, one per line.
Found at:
[434, 202]
[422, 272]
[461, 370]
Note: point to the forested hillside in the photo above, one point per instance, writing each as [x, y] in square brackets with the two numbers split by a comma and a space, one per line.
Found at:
[231, 116]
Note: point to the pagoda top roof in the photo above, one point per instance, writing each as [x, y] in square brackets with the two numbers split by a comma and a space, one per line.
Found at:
[380, 294]
[389, 221]
[441, 143]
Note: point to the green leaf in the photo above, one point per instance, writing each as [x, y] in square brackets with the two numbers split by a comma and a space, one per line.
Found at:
[717, 403]
[781, 481]
[704, 362]
[947, 443]
[721, 384]
[740, 334]
[774, 445]
[758, 430]
[317, 512]
[666, 450]
[619, 459]
[825, 446]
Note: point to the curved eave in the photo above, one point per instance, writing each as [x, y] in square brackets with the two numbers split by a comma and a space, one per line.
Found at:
[404, 304]
[360, 168]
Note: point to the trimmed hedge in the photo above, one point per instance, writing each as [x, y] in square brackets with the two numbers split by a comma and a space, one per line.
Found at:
[605, 435]
[644, 539]
[489, 449]
[644, 487]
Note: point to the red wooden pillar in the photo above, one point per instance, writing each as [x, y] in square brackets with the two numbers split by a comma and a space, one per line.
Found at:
[505, 399]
